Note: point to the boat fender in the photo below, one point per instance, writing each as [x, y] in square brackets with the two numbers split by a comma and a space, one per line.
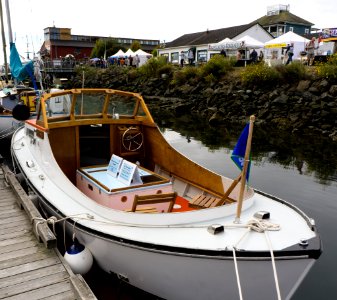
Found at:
[21, 112]
[79, 258]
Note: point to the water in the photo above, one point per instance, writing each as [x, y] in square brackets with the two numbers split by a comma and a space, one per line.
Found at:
[301, 170]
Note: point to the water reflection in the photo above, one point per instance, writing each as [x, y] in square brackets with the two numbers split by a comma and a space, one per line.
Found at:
[310, 155]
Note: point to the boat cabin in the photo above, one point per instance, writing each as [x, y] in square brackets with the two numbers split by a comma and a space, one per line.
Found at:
[108, 145]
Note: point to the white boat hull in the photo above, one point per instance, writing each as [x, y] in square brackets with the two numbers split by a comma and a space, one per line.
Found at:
[174, 255]
[175, 274]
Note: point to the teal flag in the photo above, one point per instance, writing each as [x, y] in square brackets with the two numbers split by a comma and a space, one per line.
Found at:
[19, 71]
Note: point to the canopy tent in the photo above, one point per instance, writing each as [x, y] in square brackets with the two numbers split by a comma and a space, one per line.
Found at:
[143, 56]
[119, 53]
[129, 52]
[140, 52]
[224, 45]
[275, 48]
[285, 39]
[250, 43]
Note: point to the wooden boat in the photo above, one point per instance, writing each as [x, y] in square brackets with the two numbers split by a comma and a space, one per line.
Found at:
[21, 101]
[149, 214]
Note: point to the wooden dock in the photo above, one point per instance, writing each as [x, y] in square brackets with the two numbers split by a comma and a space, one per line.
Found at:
[31, 268]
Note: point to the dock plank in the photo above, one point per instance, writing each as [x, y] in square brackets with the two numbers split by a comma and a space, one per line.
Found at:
[30, 269]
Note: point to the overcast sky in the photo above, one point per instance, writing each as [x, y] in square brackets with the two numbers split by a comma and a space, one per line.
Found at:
[146, 19]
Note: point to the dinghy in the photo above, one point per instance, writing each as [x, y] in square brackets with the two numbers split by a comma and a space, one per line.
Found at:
[97, 162]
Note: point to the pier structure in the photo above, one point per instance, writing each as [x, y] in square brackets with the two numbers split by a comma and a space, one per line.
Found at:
[31, 267]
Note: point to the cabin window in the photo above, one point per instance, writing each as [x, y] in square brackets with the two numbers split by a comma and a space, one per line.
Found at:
[87, 104]
[121, 105]
[58, 106]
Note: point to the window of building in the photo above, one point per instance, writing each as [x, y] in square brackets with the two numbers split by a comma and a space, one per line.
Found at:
[175, 57]
[306, 31]
[291, 29]
[202, 55]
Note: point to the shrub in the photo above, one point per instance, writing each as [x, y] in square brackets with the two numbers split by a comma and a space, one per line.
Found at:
[185, 74]
[217, 66]
[329, 69]
[166, 69]
[259, 74]
[293, 72]
[151, 67]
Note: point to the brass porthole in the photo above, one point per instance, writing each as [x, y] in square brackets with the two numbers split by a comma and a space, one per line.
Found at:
[124, 198]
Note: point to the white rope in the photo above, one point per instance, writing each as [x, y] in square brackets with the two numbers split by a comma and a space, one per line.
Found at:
[237, 274]
[261, 226]
[274, 266]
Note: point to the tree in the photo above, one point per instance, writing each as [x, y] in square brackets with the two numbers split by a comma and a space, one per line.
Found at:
[107, 46]
[135, 46]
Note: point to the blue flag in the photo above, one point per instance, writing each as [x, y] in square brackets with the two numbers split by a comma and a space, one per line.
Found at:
[238, 155]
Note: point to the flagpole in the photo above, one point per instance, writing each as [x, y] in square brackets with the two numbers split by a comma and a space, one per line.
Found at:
[244, 169]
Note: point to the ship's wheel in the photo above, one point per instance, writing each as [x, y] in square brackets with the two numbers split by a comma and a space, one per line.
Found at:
[132, 139]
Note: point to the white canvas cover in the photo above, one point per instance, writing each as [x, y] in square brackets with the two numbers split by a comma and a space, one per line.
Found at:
[284, 39]
[250, 42]
[119, 53]
[140, 52]
[129, 52]
[225, 44]
[273, 48]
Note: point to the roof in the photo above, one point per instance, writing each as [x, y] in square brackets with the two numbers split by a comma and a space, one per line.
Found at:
[208, 36]
[284, 17]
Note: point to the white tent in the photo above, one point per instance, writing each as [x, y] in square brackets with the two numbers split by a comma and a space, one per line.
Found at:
[275, 48]
[119, 53]
[224, 45]
[129, 52]
[143, 56]
[250, 42]
[140, 52]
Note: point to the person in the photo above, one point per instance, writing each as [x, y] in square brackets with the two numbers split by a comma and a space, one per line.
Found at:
[238, 55]
[182, 58]
[130, 60]
[310, 48]
[223, 53]
[253, 56]
[136, 61]
[290, 53]
[190, 57]
[261, 55]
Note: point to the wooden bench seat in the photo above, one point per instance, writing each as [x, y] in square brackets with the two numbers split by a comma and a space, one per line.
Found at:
[207, 201]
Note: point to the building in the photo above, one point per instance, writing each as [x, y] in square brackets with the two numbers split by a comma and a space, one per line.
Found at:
[276, 22]
[280, 20]
[201, 41]
[59, 42]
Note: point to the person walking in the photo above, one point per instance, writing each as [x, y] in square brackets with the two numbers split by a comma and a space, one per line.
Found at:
[190, 57]
[182, 58]
[136, 60]
[253, 56]
[290, 53]
[310, 48]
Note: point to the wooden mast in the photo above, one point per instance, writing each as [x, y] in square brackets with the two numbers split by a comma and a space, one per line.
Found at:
[245, 169]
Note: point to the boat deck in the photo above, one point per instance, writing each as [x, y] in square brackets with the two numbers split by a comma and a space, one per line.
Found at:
[30, 269]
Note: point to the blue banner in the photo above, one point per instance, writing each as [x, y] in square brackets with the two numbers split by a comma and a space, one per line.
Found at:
[238, 155]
